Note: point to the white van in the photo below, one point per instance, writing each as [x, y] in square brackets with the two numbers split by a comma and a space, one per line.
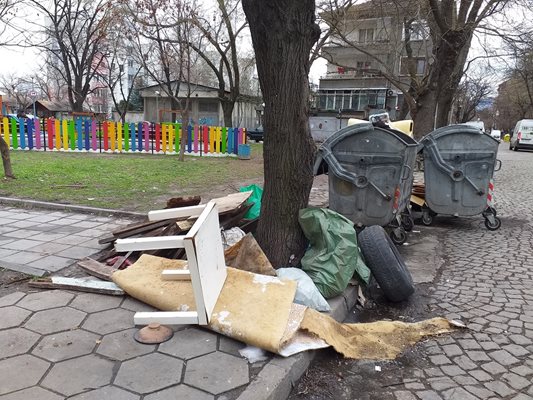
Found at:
[522, 137]
[496, 134]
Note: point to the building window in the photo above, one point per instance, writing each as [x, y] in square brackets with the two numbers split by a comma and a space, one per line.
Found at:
[352, 99]
[208, 106]
[130, 63]
[419, 30]
[366, 35]
[363, 64]
[420, 65]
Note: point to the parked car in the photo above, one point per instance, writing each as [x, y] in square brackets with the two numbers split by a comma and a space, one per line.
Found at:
[522, 136]
[496, 134]
[255, 134]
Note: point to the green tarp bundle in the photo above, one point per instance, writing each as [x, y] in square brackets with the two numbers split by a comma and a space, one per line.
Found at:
[333, 256]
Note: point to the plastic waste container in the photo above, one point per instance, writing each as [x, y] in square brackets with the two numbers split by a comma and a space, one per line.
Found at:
[459, 163]
[370, 175]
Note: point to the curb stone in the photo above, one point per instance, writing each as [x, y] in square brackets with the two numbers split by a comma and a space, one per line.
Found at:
[68, 207]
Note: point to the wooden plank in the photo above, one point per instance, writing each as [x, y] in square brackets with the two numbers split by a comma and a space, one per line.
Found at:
[191, 211]
[231, 202]
[176, 275]
[166, 317]
[91, 286]
[135, 229]
[95, 268]
[224, 205]
[149, 243]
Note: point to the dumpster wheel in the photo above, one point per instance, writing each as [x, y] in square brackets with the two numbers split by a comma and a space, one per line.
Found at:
[427, 217]
[398, 236]
[385, 263]
[407, 222]
[493, 225]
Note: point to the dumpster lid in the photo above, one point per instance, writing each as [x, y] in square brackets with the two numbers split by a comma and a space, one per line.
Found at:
[454, 129]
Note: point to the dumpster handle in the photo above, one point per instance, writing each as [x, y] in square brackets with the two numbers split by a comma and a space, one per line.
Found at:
[499, 165]
[408, 169]
[346, 175]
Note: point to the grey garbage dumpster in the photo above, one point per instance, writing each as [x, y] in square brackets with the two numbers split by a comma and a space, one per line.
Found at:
[370, 175]
[459, 163]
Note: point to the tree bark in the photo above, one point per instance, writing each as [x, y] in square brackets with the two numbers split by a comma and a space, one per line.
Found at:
[283, 33]
[227, 110]
[449, 53]
[6, 160]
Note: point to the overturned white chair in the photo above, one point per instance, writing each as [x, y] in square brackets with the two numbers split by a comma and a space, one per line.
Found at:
[205, 258]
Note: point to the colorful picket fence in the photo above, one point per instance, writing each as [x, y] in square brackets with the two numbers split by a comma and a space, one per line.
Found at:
[116, 137]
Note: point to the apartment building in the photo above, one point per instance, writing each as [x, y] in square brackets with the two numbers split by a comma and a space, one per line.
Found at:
[367, 59]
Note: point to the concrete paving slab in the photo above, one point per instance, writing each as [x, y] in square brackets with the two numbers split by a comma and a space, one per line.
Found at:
[181, 392]
[22, 234]
[22, 257]
[190, 343]
[11, 299]
[35, 392]
[45, 300]
[11, 378]
[22, 244]
[55, 320]
[122, 346]
[65, 345]
[52, 263]
[149, 373]
[107, 392]
[84, 373]
[16, 341]
[91, 302]
[25, 269]
[216, 372]
[13, 316]
[46, 249]
[76, 252]
[109, 321]
[5, 228]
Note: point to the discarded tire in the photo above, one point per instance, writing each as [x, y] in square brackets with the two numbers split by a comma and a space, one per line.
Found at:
[386, 264]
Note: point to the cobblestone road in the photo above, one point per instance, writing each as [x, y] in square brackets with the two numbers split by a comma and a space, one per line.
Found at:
[486, 280]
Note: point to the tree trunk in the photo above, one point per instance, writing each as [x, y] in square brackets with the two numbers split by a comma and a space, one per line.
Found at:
[424, 120]
[283, 33]
[6, 160]
[184, 127]
[227, 108]
[449, 53]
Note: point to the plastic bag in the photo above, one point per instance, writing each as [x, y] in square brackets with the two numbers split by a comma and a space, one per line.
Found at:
[255, 198]
[307, 293]
[333, 255]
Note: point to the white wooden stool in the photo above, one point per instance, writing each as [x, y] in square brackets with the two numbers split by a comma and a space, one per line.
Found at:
[205, 258]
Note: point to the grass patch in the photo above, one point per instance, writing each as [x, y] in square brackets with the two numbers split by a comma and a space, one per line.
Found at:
[122, 181]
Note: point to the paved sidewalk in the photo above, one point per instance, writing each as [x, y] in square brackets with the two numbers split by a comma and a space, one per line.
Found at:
[63, 344]
[36, 242]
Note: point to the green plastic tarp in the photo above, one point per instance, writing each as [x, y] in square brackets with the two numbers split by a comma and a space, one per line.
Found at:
[333, 256]
[255, 198]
